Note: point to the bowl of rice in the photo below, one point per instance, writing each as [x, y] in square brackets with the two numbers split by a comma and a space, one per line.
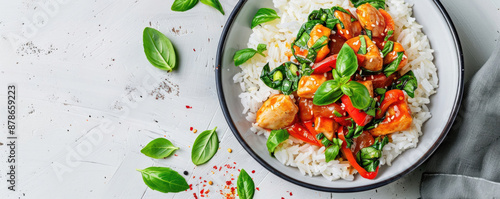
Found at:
[434, 55]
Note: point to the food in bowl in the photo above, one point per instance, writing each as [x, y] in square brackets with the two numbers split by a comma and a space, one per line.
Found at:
[343, 88]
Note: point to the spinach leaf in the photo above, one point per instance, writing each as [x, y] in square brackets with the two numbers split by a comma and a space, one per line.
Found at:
[329, 92]
[353, 131]
[205, 146]
[289, 74]
[159, 50]
[347, 62]
[407, 82]
[393, 66]
[359, 95]
[389, 46]
[379, 4]
[371, 110]
[163, 179]
[245, 185]
[368, 157]
[389, 35]
[264, 15]
[244, 55]
[362, 50]
[159, 148]
[183, 5]
[332, 151]
[302, 39]
[275, 138]
[215, 4]
[325, 15]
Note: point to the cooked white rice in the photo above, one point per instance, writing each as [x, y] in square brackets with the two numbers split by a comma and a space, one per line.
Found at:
[310, 160]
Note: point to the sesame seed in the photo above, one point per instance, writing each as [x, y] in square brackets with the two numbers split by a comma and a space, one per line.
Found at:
[371, 76]
[376, 22]
[364, 78]
[361, 72]
[347, 31]
[373, 25]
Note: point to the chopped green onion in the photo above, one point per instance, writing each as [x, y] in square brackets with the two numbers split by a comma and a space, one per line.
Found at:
[277, 76]
[336, 113]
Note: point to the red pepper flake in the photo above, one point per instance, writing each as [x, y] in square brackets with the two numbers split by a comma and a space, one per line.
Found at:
[194, 50]
[232, 178]
[291, 193]
[189, 107]
[238, 169]
[191, 128]
[204, 180]
[207, 191]
[202, 190]
[234, 162]
[220, 168]
[228, 183]
[175, 154]
[191, 187]
[257, 189]
[196, 197]
[215, 167]
[193, 177]
[200, 178]
[253, 171]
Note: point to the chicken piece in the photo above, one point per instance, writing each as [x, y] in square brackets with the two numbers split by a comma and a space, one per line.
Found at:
[369, 85]
[393, 55]
[373, 60]
[306, 109]
[398, 118]
[371, 19]
[309, 84]
[317, 32]
[326, 126]
[277, 112]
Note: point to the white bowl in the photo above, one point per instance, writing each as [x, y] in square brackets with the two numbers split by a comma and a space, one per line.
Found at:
[444, 104]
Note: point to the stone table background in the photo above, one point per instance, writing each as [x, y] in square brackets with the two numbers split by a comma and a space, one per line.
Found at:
[88, 100]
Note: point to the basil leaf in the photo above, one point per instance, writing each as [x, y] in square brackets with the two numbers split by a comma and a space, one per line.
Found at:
[389, 35]
[329, 92]
[326, 16]
[302, 40]
[362, 49]
[393, 66]
[215, 4]
[388, 48]
[380, 91]
[205, 146]
[408, 83]
[159, 50]
[360, 97]
[320, 42]
[245, 185]
[368, 157]
[275, 138]
[264, 15]
[326, 142]
[336, 75]
[379, 4]
[163, 179]
[371, 110]
[320, 136]
[183, 5]
[159, 148]
[347, 62]
[332, 151]
[261, 48]
[242, 56]
[336, 113]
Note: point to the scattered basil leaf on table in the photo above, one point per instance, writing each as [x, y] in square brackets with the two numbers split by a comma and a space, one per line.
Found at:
[332, 151]
[215, 4]
[393, 66]
[205, 146]
[183, 5]
[264, 15]
[360, 96]
[379, 4]
[242, 56]
[159, 50]
[368, 157]
[245, 185]
[347, 62]
[163, 179]
[159, 148]
[275, 138]
[408, 83]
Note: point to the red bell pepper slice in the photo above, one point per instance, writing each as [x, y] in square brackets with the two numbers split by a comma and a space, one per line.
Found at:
[330, 63]
[391, 97]
[360, 117]
[299, 131]
[352, 160]
[382, 81]
[343, 121]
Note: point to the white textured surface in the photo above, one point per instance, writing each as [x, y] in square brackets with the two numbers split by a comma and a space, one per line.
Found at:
[83, 65]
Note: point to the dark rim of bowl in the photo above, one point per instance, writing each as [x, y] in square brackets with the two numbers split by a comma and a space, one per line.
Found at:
[245, 145]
